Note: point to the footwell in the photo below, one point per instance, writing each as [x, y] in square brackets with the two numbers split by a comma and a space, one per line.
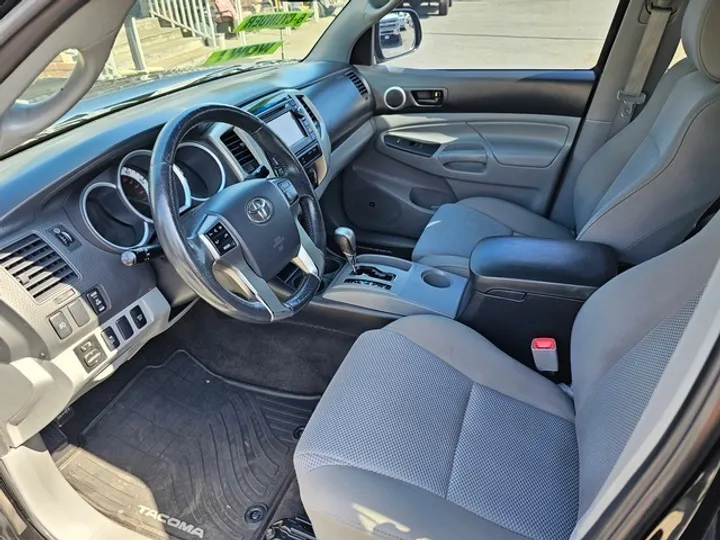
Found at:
[182, 453]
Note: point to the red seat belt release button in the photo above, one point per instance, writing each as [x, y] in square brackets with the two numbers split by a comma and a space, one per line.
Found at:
[544, 351]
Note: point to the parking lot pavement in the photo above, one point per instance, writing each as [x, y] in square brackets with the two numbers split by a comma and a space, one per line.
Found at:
[509, 34]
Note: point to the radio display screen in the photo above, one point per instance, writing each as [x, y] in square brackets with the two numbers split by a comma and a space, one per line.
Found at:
[287, 128]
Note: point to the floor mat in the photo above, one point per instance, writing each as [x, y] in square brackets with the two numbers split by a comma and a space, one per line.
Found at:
[285, 355]
[182, 453]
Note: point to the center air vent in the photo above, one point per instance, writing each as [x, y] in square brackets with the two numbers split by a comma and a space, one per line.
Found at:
[37, 267]
[239, 149]
[306, 105]
[357, 81]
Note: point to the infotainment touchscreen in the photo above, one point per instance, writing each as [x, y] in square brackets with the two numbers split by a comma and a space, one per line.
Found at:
[287, 128]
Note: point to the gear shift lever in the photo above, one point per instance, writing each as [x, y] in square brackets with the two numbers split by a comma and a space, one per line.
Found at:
[345, 239]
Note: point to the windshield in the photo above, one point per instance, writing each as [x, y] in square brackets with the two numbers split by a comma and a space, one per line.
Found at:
[169, 42]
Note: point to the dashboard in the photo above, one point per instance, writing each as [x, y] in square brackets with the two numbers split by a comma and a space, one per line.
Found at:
[70, 311]
[114, 208]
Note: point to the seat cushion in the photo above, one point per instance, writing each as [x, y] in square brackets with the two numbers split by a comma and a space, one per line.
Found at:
[455, 229]
[429, 431]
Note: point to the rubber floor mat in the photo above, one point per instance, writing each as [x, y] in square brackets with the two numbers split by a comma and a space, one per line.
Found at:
[182, 453]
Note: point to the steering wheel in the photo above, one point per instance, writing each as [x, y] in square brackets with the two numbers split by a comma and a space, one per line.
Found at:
[229, 247]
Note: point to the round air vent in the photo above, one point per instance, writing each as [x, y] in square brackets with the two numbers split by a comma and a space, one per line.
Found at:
[395, 98]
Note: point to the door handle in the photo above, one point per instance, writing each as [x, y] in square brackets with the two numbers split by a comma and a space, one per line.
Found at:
[478, 155]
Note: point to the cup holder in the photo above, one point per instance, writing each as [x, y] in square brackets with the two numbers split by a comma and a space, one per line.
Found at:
[297, 279]
[436, 279]
[332, 266]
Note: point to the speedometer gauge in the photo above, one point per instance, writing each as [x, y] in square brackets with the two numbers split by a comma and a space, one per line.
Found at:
[134, 187]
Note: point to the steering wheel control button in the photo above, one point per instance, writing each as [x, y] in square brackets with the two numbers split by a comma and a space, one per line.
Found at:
[126, 329]
[79, 313]
[90, 353]
[291, 194]
[277, 165]
[60, 324]
[97, 302]
[110, 338]
[221, 239]
[138, 317]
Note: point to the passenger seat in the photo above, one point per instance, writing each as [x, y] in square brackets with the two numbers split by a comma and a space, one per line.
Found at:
[642, 192]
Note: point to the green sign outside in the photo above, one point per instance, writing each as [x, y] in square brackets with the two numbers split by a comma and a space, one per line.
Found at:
[285, 19]
[226, 55]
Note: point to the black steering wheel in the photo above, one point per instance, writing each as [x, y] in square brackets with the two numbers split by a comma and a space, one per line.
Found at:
[228, 248]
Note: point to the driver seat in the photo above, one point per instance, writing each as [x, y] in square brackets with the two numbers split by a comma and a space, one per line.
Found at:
[428, 431]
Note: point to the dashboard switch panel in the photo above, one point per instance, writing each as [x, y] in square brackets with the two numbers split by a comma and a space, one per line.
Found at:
[90, 353]
[138, 317]
[126, 329]
[60, 324]
[97, 302]
[79, 313]
[64, 237]
[110, 338]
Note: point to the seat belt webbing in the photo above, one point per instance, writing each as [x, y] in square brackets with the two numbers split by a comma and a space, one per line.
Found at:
[632, 95]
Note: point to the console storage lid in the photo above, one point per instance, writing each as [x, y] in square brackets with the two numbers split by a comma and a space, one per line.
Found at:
[567, 268]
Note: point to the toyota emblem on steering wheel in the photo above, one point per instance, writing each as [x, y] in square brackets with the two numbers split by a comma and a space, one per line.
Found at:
[259, 210]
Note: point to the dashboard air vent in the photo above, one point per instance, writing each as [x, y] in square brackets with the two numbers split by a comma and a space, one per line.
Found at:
[357, 81]
[239, 149]
[36, 266]
[305, 102]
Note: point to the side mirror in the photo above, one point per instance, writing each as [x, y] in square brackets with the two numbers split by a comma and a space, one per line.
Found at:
[398, 33]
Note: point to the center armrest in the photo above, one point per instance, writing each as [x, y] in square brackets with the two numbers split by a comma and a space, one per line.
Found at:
[541, 265]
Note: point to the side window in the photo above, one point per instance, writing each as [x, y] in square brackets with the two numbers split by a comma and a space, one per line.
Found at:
[510, 34]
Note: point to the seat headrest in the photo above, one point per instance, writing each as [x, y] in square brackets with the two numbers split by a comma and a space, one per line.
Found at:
[701, 36]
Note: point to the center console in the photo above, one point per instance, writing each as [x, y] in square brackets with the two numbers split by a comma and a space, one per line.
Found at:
[398, 287]
[525, 288]
[519, 289]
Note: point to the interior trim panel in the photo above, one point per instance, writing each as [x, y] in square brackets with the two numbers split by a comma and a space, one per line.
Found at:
[562, 93]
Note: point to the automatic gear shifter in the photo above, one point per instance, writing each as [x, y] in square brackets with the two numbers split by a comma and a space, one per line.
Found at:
[345, 239]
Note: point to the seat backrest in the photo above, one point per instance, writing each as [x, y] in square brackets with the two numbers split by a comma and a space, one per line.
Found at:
[643, 191]
[622, 341]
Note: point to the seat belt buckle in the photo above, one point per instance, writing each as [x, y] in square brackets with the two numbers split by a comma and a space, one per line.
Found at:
[630, 101]
[544, 351]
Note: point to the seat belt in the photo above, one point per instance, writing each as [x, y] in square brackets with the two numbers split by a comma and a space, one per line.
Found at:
[632, 95]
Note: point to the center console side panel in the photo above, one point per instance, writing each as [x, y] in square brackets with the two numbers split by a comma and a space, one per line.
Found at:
[525, 288]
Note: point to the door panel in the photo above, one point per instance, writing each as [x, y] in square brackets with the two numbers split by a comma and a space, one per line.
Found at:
[503, 134]
[419, 162]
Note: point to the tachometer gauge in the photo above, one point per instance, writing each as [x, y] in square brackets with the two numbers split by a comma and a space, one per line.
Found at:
[134, 189]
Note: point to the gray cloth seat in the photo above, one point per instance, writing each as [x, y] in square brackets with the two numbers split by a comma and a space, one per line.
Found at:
[641, 192]
[430, 431]
[455, 229]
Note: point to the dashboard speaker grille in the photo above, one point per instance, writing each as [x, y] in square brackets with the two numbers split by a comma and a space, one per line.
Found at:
[357, 81]
[239, 149]
[37, 267]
